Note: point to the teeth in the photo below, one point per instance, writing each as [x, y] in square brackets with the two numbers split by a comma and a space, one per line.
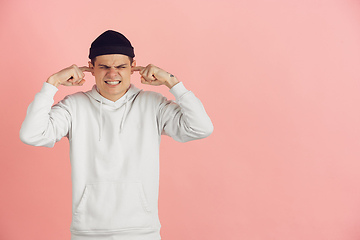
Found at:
[112, 82]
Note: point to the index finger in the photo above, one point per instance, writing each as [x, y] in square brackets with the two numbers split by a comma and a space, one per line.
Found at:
[138, 68]
[85, 69]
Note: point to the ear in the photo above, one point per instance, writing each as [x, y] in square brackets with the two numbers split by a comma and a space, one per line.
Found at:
[133, 65]
[92, 67]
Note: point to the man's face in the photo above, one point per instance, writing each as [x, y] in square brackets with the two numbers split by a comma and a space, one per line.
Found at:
[112, 75]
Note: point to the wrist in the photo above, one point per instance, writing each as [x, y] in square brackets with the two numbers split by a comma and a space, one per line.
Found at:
[53, 82]
[171, 82]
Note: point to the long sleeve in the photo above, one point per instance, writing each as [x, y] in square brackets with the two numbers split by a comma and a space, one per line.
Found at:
[44, 125]
[186, 119]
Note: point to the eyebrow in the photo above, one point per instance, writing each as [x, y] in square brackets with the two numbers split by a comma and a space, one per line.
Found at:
[103, 65]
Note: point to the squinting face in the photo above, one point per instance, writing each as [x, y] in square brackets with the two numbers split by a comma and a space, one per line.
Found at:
[112, 75]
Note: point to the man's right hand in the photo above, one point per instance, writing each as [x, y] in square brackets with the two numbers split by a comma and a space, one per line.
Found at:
[71, 76]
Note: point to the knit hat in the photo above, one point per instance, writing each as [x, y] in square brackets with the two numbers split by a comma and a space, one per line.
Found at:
[111, 42]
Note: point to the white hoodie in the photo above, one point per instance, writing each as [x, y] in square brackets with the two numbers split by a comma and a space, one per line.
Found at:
[114, 153]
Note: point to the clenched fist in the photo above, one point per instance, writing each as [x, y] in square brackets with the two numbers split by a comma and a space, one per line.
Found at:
[155, 76]
[70, 76]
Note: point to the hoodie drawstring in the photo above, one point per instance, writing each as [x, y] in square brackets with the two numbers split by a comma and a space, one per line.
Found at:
[123, 117]
[94, 94]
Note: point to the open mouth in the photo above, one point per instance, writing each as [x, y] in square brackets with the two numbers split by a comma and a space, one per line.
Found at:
[113, 82]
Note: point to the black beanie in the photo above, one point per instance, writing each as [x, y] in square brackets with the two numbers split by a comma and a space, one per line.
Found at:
[111, 42]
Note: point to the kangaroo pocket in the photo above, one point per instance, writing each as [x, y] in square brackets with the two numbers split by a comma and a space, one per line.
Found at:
[112, 206]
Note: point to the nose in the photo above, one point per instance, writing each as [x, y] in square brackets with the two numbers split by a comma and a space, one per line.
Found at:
[113, 73]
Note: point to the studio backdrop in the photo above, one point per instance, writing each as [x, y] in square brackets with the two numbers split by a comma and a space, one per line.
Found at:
[279, 79]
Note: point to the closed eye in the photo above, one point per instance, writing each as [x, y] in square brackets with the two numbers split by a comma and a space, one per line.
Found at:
[121, 66]
[103, 67]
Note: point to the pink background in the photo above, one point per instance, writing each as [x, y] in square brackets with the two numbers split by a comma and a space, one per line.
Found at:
[279, 79]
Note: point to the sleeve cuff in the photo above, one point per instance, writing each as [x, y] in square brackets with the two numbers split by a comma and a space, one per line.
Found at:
[178, 90]
[49, 89]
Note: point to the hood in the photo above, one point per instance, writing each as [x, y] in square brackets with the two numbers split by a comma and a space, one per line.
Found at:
[129, 96]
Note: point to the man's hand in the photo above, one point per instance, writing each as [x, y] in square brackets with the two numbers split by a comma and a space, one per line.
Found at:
[155, 76]
[71, 76]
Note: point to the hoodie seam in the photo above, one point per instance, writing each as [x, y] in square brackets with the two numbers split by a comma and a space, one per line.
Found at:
[69, 110]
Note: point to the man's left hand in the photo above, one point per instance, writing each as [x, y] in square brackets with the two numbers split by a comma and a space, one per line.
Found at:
[155, 76]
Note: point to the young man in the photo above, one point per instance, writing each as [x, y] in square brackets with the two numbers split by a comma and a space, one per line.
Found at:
[114, 132]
